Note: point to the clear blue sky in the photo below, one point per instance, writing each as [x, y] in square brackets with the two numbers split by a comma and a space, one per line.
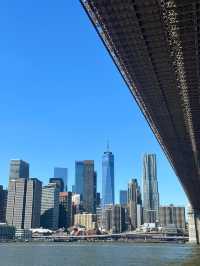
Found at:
[62, 97]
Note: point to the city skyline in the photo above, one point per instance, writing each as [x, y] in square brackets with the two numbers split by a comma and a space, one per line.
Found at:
[54, 134]
[30, 204]
[98, 177]
[46, 180]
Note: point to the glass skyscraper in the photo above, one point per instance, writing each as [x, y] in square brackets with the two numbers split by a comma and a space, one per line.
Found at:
[150, 189]
[79, 177]
[108, 192]
[85, 184]
[123, 197]
[60, 172]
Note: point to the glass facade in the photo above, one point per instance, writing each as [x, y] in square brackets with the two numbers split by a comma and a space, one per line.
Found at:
[108, 196]
[79, 177]
[123, 197]
[85, 184]
[60, 172]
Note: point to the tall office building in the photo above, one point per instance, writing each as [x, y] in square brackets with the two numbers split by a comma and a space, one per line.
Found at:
[132, 202]
[123, 197]
[65, 209]
[33, 203]
[98, 200]
[61, 172]
[79, 177]
[150, 189]
[3, 203]
[18, 169]
[90, 187]
[86, 182]
[23, 203]
[16, 202]
[50, 206]
[58, 181]
[24, 197]
[108, 193]
[172, 215]
[118, 218]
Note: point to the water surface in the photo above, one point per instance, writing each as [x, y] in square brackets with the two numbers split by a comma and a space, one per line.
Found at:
[98, 254]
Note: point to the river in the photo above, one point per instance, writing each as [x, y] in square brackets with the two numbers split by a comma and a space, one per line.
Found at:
[98, 254]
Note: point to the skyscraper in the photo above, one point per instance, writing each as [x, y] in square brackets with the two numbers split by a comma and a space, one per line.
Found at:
[18, 169]
[50, 206]
[132, 202]
[33, 203]
[108, 192]
[61, 172]
[98, 199]
[58, 181]
[118, 218]
[15, 213]
[16, 201]
[65, 209]
[89, 187]
[85, 184]
[150, 189]
[79, 177]
[23, 203]
[3, 203]
[123, 195]
[24, 197]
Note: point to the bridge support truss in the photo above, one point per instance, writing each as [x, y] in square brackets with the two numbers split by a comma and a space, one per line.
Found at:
[194, 226]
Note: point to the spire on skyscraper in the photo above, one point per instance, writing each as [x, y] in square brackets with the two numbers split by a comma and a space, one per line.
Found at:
[108, 145]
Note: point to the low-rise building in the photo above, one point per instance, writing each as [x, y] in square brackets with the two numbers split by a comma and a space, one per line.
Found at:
[172, 215]
[7, 232]
[88, 220]
[23, 234]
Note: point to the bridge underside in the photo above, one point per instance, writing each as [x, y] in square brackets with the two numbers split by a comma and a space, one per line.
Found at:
[155, 45]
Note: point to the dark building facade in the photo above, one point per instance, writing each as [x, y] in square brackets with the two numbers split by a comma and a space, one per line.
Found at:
[98, 199]
[3, 203]
[58, 181]
[18, 169]
[65, 209]
[89, 188]
[33, 203]
[85, 184]
[118, 219]
[79, 177]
